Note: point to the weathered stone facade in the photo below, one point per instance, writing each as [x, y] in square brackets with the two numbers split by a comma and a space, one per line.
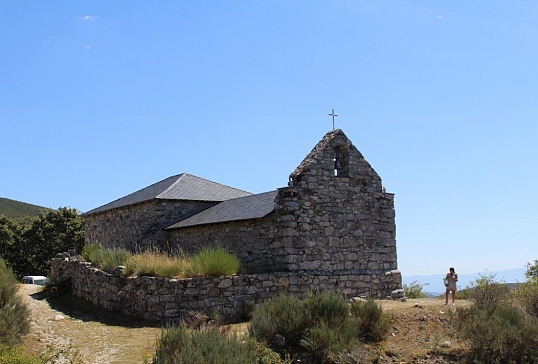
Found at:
[320, 222]
[163, 299]
[332, 224]
[140, 226]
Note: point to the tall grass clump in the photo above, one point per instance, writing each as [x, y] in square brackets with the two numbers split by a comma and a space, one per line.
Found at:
[154, 264]
[177, 344]
[90, 249]
[215, 262]
[106, 259]
[373, 324]
[208, 262]
[14, 314]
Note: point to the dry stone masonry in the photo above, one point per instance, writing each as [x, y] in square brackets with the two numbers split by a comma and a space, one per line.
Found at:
[163, 299]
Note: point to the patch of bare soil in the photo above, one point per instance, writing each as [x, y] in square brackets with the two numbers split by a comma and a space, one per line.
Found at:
[420, 331]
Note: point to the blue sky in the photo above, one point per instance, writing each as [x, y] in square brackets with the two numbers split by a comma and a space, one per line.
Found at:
[99, 99]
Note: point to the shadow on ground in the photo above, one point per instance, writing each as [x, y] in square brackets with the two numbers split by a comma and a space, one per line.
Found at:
[80, 309]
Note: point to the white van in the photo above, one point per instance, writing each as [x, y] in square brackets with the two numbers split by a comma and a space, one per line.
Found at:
[40, 280]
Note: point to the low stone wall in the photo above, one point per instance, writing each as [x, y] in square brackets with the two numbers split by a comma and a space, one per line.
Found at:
[163, 299]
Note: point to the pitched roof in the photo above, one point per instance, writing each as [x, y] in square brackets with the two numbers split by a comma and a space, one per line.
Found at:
[242, 208]
[180, 187]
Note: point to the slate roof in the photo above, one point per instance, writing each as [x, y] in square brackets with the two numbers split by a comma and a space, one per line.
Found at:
[243, 208]
[180, 187]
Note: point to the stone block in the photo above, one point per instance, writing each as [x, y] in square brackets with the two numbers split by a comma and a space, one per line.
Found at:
[225, 283]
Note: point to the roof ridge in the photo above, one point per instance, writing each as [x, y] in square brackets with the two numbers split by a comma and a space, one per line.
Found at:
[181, 186]
[176, 181]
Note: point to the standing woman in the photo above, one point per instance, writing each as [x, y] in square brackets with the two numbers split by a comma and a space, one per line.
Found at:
[452, 278]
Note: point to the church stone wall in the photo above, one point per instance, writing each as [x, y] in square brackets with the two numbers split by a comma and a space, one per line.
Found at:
[346, 230]
[139, 226]
[252, 241]
[353, 231]
[325, 220]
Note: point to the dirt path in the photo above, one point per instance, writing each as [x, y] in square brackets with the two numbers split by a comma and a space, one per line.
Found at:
[98, 337]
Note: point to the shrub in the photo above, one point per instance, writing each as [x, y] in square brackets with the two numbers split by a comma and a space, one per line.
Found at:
[527, 297]
[13, 312]
[265, 355]
[463, 294]
[320, 326]
[201, 346]
[414, 290]
[326, 339]
[329, 307]
[332, 328]
[285, 315]
[487, 293]
[373, 324]
[499, 334]
[216, 262]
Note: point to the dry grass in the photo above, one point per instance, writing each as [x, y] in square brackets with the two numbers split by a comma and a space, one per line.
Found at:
[208, 262]
[159, 265]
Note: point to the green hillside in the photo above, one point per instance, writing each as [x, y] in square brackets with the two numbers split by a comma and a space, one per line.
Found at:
[16, 209]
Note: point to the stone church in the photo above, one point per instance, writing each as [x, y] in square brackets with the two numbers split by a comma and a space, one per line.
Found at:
[333, 217]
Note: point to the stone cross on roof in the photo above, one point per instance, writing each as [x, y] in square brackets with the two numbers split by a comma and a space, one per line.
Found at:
[333, 115]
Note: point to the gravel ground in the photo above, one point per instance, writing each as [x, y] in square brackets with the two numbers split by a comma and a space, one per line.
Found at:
[91, 336]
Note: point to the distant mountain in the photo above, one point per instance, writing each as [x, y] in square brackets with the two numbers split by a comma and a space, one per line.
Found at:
[16, 209]
[434, 283]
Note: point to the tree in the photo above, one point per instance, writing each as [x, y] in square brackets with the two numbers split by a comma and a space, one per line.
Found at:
[532, 270]
[9, 231]
[51, 233]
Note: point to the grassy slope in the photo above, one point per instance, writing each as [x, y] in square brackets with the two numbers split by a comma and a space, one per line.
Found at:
[16, 209]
